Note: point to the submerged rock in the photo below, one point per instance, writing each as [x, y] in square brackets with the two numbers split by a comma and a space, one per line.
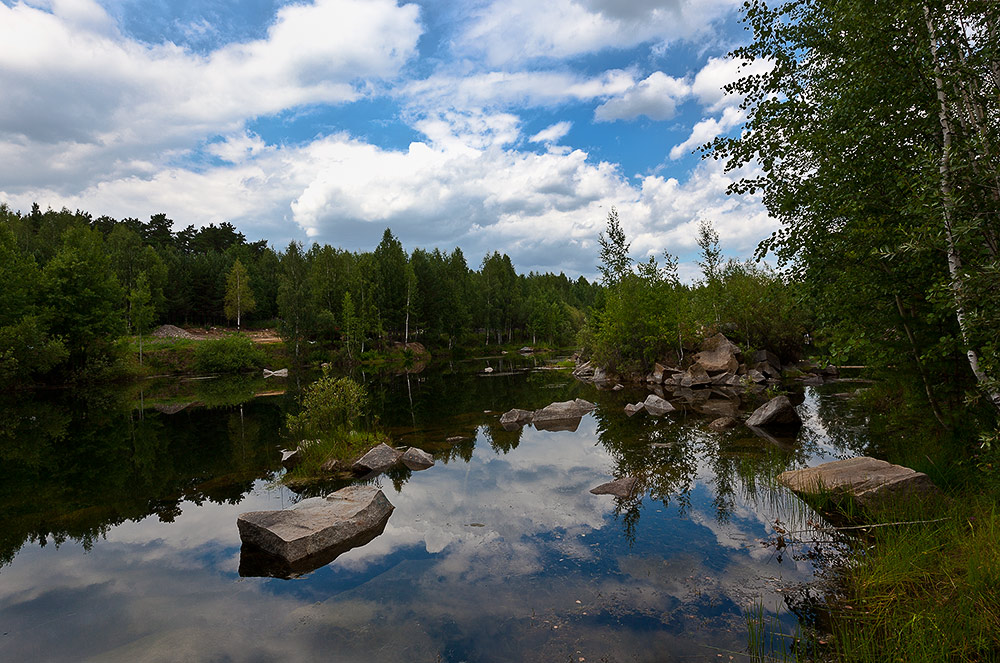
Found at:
[313, 532]
[619, 488]
[723, 424]
[870, 482]
[776, 413]
[657, 406]
[417, 459]
[378, 459]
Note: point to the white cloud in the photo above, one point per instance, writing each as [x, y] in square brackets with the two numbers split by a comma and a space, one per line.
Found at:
[656, 97]
[708, 129]
[506, 31]
[82, 99]
[717, 73]
[552, 133]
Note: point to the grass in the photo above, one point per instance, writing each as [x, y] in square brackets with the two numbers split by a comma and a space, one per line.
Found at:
[924, 592]
[344, 446]
[767, 637]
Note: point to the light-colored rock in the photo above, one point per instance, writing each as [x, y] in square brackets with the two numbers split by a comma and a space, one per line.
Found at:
[870, 482]
[280, 373]
[171, 331]
[573, 409]
[488, 369]
[343, 520]
[600, 376]
[584, 371]
[378, 459]
[723, 424]
[695, 376]
[633, 408]
[657, 406]
[291, 459]
[619, 488]
[417, 459]
[777, 412]
[756, 376]
[516, 417]
[656, 377]
[718, 355]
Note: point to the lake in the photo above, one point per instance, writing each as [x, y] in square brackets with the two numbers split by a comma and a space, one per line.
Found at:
[118, 538]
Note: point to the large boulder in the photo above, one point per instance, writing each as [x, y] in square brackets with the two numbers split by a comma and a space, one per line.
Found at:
[378, 459]
[319, 528]
[868, 481]
[657, 406]
[776, 413]
[718, 355]
[565, 415]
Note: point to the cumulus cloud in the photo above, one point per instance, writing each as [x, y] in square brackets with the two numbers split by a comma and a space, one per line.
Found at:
[708, 129]
[516, 30]
[717, 73]
[80, 98]
[656, 97]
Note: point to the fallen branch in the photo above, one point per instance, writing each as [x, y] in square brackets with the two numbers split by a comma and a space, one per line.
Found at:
[839, 529]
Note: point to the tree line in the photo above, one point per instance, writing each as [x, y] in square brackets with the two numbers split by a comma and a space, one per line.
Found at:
[77, 284]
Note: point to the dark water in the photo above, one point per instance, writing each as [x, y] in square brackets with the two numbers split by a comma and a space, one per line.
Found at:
[118, 537]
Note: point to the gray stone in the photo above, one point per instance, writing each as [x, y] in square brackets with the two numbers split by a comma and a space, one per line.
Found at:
[870, 482]
[291, 459]
[601, 376]
[633, 408]
[695, 376]
[718, 355]
[756, 376]
[343, 520]
[723, 424]
[813, 381]
[417, 459]
[619, 488]
[378, 459]
[561, 411]
[516, 417]
[331, 465]
[777, 412]
[718, 407]
[657, 406]
[768, 357]
[584, 371]
[280, 373]
[768, 370]
[656, 377]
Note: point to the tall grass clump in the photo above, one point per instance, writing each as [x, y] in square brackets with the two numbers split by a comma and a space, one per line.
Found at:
[233, 353]
[928, 591]
[331, 425]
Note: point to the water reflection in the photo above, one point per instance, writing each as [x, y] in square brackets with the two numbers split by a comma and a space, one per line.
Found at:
[497, 553]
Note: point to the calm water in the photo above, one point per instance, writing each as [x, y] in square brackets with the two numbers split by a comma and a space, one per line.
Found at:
[118, 537]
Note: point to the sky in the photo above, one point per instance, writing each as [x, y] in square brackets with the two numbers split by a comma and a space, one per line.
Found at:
[508, 125]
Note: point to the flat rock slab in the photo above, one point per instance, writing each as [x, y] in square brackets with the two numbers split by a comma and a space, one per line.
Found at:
[318, 527]
[619, 488]
[776, 413]
[564, 415]
[417, 459]
[869, 481]
[657, 406]
[378, 459]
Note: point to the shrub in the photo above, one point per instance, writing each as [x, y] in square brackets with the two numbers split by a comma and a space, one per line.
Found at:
[229, 354]
[329, 405]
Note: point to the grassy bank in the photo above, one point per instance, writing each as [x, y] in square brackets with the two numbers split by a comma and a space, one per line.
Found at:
[181, 356]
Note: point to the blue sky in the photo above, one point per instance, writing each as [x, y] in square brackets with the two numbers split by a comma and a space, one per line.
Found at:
[510, 125]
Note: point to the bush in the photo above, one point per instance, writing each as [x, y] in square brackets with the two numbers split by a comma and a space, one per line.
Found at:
[329, 405]
[230, 354]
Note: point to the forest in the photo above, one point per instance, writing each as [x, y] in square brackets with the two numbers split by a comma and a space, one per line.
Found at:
[78, 284]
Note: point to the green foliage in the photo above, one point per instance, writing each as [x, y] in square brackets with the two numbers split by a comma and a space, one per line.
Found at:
[232, 353]
[239, 295]
[329, 405]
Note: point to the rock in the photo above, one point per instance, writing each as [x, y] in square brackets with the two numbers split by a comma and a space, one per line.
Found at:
[280, 373]
[868, 481]
[291, 459]
[723, 424]
[316, 529]
[619, 488]
[777, 412]
[561, 416]
[170, 331]
[488, 369]
[768, 357]
[657, 406]
[633, 408]
[696, 375]
[813, 381]
[584, 371]
[516, 417]
[768, 370]
[718, 355]
[618, 387]
[458, 438]
[378, 459]
[417, 459]
[600, 376]
[331, 465]
[656, 377]
[526, 350]
[756, 376]
[719, 407]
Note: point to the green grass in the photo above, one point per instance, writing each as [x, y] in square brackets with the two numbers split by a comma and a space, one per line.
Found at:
[344, 446]
[924, 592]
